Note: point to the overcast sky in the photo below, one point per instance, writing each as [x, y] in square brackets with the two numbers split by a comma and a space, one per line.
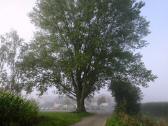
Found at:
[14, 15]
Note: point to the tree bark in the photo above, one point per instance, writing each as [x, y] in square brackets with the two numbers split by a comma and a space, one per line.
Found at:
[80, 105]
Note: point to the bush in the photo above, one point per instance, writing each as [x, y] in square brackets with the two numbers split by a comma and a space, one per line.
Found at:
[16, 111]
[127, 97]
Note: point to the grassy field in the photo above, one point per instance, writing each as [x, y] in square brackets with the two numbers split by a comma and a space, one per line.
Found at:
[155, 109]
[152, 114]
[158, 111]
[126, 120]
[60, 118]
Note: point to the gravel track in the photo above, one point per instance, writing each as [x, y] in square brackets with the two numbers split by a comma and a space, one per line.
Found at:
[95, 120]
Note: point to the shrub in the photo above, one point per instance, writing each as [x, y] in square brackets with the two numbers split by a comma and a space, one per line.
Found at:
[15, 110]
[127, 97]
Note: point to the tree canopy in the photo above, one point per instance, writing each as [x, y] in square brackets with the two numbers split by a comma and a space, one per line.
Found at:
[82, 44]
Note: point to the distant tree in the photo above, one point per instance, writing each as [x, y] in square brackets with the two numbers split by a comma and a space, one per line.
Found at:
[67, 101]
[82, 44]
[127, 97]
[101, 100]
[10, 49]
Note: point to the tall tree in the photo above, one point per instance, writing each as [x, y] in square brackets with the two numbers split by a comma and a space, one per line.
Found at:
[81, 44]
[10, 48]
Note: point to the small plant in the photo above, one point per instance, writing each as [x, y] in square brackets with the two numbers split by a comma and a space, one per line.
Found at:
[17, 111]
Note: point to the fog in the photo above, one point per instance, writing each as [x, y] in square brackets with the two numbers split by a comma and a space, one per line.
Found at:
[100, 103]
[155, 55]
[14, 15]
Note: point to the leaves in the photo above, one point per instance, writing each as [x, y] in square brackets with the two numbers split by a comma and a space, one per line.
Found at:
[16, 110]
[81, 44]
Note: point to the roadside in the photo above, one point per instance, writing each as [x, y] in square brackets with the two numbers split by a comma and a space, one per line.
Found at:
[60, 118]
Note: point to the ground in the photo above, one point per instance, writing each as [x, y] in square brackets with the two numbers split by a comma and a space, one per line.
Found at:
[95, 120]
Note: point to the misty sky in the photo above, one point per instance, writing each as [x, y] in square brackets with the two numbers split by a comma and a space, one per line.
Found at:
[14, 15]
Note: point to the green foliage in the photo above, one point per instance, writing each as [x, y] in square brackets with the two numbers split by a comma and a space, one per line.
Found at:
[126, 120]
[60, 118]
[114, 121]
[127, 97]
[15, 110]
[155, 109]
[81, 44]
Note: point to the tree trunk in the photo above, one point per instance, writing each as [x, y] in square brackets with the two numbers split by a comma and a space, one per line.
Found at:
[80, 105]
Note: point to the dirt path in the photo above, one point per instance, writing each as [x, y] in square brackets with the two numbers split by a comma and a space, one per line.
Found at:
[96, 120]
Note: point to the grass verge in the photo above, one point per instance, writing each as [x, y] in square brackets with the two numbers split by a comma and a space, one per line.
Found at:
[60, 118]
[126, 120]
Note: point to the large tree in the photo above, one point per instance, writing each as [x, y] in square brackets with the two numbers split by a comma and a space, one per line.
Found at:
[82, 44]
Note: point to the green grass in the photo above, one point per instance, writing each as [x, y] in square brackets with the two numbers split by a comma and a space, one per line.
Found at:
[152, 114]
[113, 121]
[60, 118]
[126, 120]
